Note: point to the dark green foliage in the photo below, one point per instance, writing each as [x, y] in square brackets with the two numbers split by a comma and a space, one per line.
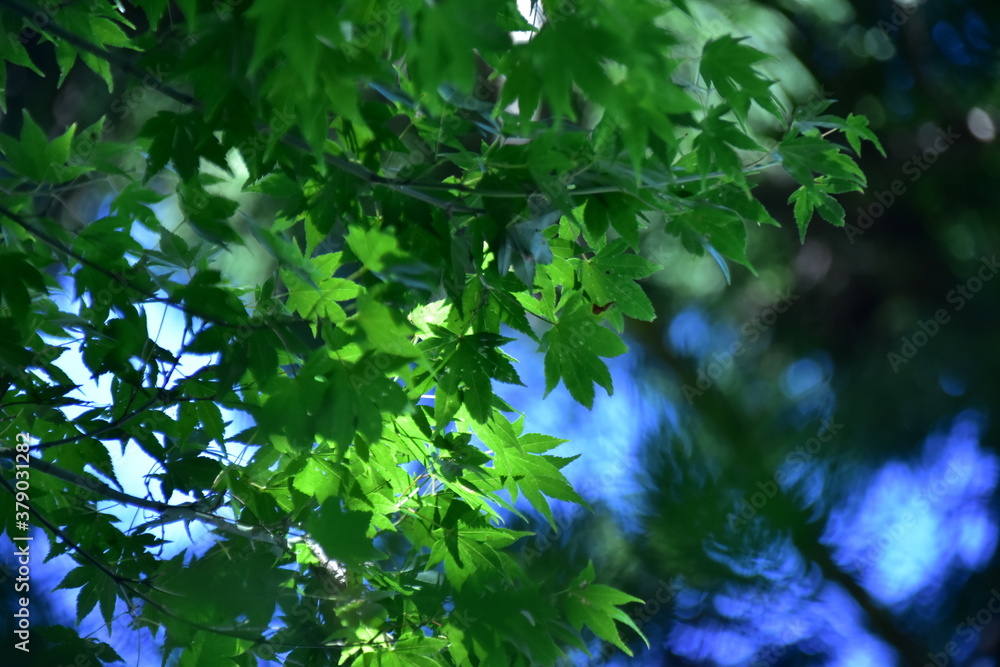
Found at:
[396, 217]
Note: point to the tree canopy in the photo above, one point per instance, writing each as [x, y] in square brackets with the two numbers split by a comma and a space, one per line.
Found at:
[351, 208]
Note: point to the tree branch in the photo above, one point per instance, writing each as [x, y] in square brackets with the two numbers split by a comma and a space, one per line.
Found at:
[168, 513]
[127, 65]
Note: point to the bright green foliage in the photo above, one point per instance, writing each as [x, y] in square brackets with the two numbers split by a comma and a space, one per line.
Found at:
[801, 156]
[595, 605]
[37, 158]
[352, 221]
[574, 344]
[729, 66]
[609, 277]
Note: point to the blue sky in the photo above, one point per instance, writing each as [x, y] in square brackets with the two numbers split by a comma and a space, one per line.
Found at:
[912, 524]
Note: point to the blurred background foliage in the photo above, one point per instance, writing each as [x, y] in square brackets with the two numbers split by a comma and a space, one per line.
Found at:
[875, 546]
[779, 488]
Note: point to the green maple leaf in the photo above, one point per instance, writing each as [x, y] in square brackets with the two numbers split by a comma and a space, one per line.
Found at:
[318, 301]
[537, 474]
[720, 228]
[596, 606]
[209, 214]
[729, 66]
[182, 139]
[36, 158]
[134, 201]
[343, 535]
[808, 200]
[801, 156]
[610, 277]
[714, 146]
[574, 346]
[474, 360]
[854, 127]
[17, 274]
[372, 247]
[474, 550]
[746, 206]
